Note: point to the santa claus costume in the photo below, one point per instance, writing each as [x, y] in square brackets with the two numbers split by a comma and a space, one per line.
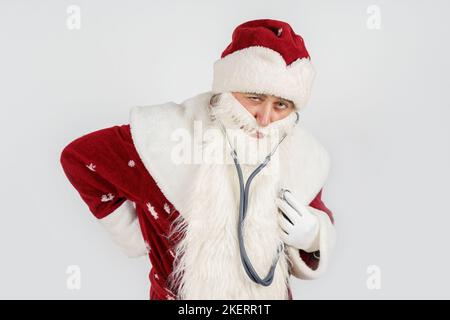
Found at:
[152, 184]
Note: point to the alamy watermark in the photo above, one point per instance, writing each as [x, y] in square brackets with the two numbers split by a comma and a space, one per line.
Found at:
[73, 281]
[373, 281]
[373, 21]
[73, 20]
[212, 145]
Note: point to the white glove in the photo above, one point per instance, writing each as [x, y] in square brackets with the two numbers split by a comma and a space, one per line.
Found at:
[123, 226]
[299, 227]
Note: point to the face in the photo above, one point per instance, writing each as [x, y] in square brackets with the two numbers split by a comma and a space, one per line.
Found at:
[265, 108]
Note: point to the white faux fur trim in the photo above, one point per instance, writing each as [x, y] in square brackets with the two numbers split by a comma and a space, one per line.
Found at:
[154, 129]
[263, 70]
[327, 241]
[123, 226]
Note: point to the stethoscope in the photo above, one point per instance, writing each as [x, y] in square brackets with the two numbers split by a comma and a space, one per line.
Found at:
[243, 203]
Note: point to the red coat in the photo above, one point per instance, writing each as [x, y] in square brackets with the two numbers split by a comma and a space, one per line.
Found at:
[106, 170]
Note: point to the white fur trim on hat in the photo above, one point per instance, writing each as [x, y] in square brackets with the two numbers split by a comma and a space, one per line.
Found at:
[262, 70]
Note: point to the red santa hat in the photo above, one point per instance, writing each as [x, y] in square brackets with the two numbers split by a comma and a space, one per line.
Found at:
[265, 56]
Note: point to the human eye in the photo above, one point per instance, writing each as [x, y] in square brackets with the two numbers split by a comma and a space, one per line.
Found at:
[281, 105]
[254, 98]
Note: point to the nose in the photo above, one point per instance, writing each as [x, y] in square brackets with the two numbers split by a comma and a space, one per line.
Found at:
[263, 115]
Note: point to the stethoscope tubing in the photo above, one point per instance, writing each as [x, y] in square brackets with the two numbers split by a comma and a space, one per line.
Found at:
[244, 190]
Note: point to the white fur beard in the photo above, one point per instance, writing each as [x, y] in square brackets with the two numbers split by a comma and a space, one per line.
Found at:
[207, 262]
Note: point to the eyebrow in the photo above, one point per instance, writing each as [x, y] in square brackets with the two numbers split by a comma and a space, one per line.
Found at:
[262, 95]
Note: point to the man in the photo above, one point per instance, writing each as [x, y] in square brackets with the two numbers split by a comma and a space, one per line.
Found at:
[223, 191]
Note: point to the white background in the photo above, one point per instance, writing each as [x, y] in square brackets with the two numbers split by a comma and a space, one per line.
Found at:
[380, 105]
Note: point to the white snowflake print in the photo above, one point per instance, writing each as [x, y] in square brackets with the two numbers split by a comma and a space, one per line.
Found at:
[91, 166]
[156, 276]
[131, 163]
[171, 253]
[167, 208]
[107, 197]
[152, 210]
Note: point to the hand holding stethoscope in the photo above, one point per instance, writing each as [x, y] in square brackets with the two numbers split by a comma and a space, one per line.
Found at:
[299, 227]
